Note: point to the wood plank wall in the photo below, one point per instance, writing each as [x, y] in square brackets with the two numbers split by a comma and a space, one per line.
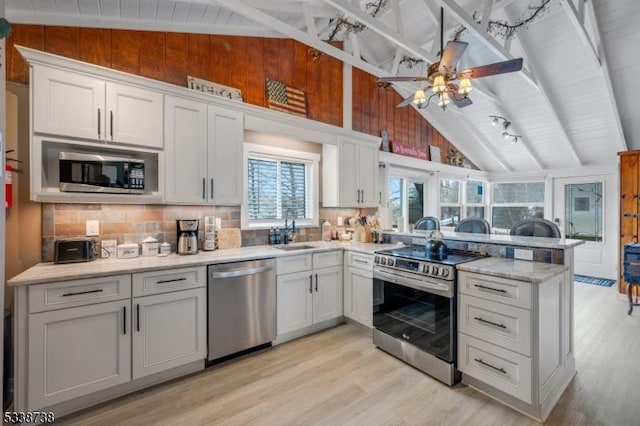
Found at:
[374, 108]
[241, 62]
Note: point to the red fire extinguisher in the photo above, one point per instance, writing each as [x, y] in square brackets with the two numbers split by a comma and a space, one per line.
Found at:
[8, 182]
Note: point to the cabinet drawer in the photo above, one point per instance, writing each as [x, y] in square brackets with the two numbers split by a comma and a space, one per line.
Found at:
[289, 264]
[496, 323]
[511, 292]
[326, 259]
[359, 260]
[169, 280]
[67, 294]
[504, 370]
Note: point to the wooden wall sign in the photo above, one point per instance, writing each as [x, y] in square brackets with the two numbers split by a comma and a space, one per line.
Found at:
[409, 150]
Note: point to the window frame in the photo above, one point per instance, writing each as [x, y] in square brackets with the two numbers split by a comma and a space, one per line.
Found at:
[459, 204]
[483, 202]
[493, 204]
[312, 161]
[408, 175]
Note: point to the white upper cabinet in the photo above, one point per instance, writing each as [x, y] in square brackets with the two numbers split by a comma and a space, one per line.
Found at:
[203, 153]
[350, 174]
[76, 105]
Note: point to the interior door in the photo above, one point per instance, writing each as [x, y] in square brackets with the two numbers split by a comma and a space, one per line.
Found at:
[585, 208]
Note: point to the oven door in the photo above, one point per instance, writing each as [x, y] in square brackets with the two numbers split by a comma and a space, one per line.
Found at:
[416, 309]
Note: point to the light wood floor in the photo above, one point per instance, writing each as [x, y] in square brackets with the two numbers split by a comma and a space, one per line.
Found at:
[338, 377]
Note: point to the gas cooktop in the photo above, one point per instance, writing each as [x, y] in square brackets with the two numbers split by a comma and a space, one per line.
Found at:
[419, 253]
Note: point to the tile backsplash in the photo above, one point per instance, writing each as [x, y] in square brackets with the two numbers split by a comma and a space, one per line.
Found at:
[133, 223]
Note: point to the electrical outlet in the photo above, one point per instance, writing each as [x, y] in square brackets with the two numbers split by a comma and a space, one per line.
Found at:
[93, 228]
[109, 248]
[523, 254]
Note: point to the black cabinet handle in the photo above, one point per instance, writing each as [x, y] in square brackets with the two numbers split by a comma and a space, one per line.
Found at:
[212, 188]
[171, 281]
[380, 197]
[204, 184]
[82, 292]
[480, 361]
[98, 123]
[362, 195]
[138, 317]
[124, 320]
[499, 290]
[489, 322]
[311, 284]
[316, 283]
[111, 123]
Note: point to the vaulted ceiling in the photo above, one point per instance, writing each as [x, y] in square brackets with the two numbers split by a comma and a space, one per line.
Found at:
[573, 103]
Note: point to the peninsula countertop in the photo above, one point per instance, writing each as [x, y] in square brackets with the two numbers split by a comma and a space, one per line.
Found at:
[522, 270]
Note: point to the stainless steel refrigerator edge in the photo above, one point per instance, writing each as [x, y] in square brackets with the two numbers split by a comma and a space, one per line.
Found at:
[241, 306]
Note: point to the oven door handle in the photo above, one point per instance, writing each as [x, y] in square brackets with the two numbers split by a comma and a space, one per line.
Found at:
[400, 279]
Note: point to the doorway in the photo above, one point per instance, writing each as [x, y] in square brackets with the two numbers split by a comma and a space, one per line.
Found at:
[585, 209]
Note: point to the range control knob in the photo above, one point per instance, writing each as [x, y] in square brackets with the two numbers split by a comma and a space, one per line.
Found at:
[444, 272]
[390, 262]
[376, 259]
[425, 269]
[383, 260]
[434, 270]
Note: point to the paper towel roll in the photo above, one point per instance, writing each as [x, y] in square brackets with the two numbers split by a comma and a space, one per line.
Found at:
[384, 213]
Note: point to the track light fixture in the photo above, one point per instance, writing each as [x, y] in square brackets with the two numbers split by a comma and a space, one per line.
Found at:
[506, 124]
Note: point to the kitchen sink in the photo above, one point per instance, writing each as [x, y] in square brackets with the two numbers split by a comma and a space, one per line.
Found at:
[294, 248]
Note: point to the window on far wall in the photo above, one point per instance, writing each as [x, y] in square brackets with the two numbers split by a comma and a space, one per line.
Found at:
[515, 201]
[279, 183]
[474, 198]
[406, 199]
[450, 203]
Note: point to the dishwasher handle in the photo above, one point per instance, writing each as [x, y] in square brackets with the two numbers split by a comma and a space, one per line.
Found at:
[239, 272]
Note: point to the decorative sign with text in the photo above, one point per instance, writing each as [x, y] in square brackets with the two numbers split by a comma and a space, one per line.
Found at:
[409, 150]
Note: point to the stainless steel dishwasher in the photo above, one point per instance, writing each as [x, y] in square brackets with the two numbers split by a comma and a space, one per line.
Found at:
[241, 307]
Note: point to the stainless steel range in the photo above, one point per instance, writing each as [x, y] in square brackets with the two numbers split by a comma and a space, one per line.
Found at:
[414, 308]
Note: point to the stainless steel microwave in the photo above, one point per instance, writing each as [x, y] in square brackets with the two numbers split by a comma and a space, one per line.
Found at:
[82, 172]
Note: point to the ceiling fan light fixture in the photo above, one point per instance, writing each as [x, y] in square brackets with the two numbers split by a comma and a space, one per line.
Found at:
[443, 99]
[465, 87]
[419, 98]
[439, 84]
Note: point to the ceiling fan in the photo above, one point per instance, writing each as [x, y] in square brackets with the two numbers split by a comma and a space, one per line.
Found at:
[442, 76]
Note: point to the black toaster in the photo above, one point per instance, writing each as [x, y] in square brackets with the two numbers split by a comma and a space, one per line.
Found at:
[75, 250]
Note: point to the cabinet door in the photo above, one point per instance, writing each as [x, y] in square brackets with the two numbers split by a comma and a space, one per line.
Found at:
[68, 104]
[169, 330]
[359, 302]
[134, 115]
[226, 129]
[349, 179]
[368, 175]
[76, 351]
[186, 150]
[294, 301]
[327, 296]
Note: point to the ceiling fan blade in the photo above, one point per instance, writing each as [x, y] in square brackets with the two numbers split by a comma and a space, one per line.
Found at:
[391, 79]
[451, 55]
[492, 69]
[459, 102]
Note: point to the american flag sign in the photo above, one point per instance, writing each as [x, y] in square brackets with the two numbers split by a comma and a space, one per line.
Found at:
[283, 98]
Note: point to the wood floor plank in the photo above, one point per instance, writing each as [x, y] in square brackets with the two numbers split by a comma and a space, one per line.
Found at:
[338, 377]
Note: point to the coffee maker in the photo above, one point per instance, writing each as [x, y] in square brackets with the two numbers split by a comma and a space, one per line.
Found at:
[187, 236]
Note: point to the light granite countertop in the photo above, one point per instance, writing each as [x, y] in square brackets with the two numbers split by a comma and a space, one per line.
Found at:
[50, 272]
[512, 240]
[523, 270]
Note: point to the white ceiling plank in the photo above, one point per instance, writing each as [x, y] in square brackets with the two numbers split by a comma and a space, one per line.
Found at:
[433, 12]
[109, 8]
[67, 7]
[309, 19]
[396, 61]
[486, 11]
[181, 12]
[544, 92]
[379, 27]
[583, 35]
[591, 15]
[130, 9]
[165, 10]
[397, 13]
[461, 16]
[148, 9]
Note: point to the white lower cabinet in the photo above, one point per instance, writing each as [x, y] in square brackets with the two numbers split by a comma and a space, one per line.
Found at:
[169, 330]
[358, 288]
[76, 351]
[309, 297]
